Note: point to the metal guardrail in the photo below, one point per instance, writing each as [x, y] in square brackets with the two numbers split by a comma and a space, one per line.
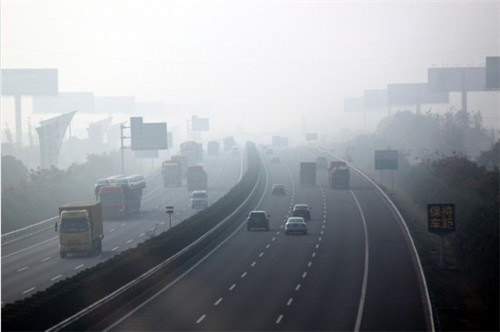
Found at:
[28, 231]
[41, 226]
[95, 306]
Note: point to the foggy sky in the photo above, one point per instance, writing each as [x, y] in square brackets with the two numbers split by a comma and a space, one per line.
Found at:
[260, 65]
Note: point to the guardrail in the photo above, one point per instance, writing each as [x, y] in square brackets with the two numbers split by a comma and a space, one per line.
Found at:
[28, 231]
[181, 242]
[122, 290]
[39, 227]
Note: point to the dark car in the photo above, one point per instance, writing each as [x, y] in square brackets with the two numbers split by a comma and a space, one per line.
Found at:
[301, 210]
[278, 189]
[258, 219]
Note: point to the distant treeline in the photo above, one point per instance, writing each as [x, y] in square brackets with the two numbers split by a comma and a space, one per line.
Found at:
[30, 196]
[447, 158]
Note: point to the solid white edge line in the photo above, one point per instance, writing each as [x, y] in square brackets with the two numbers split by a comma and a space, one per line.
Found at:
[192, 267]
[362, 298]
[421, 275]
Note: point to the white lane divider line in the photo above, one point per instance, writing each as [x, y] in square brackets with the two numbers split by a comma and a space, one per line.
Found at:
[218, 301]
[142, 234]
[244, 275]
[29, 290]
[129, 241]
[319, 239]
[23, 269]
[115, 248]
[290, 300]
[280, 317]
[253, 263]
[273, 239]
[201, 319]
[261, 254]
[309, 264]
[317, 246]
[111, 230]
[79, 266]
[232, 287]
[56, 277]
[297, 287]
[304, 275]
[122, 225]
[267, 247]
[313, 254]
[46, 259]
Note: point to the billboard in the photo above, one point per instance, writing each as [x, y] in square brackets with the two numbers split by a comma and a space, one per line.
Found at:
[354, 105]
[493, 73]
[456, 79]
[413, 94]
[199, 124]
[148, 136]
[18, 82]
[375, 98]
[64, 102]
[114, 105]
[311, 136]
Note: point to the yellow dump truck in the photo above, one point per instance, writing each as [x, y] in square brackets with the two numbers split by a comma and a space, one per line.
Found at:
[80, 228]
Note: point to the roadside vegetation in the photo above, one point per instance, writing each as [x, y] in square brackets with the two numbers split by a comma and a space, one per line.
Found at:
[446, 158]
[30, 196]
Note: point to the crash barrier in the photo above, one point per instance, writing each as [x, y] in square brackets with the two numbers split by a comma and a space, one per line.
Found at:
[28, 231]
[78, 302]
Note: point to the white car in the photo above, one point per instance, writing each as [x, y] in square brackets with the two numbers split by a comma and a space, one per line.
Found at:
[295, 225]
[199, 199]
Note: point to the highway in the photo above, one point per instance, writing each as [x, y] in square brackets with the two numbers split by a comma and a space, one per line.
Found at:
[353, 271]
[32, 263]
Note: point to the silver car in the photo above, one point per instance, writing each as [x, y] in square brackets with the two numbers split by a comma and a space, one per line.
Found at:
[295, 225]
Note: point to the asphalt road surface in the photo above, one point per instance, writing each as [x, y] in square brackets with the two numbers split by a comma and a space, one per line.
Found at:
[32, 264]
[353, 271]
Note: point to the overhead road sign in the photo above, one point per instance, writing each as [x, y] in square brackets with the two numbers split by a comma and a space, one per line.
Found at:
[148, 136]
[64, 102]
[124, 105]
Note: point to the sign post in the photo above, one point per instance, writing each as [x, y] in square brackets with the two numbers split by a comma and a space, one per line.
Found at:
[441, 221]
[170, 211]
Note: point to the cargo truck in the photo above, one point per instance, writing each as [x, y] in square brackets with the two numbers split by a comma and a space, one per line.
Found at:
[213, 148]
[80, 228]
[121, 196]
[196, 178]
[338, 175]
[193, 151]
[171, 172]
[308, 173]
